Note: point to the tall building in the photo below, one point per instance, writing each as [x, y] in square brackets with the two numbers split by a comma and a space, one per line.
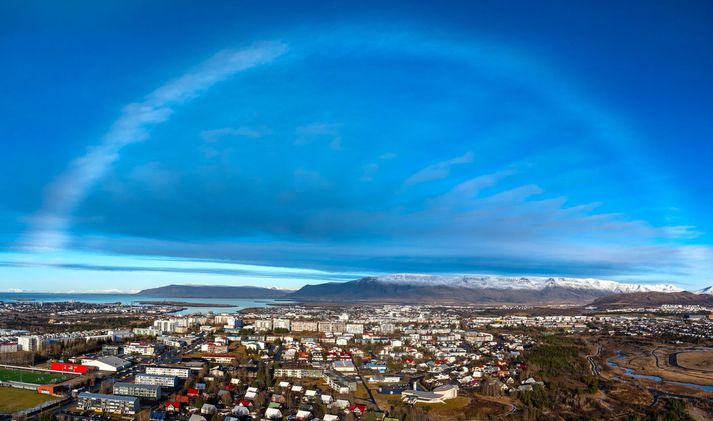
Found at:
[355, 328]
[263, 325]
[168, 326]
[281, 324]
[387, 328]
[304, 326]
[28, 343]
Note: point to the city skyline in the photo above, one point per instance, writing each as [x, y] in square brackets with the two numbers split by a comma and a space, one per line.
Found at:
[277, 144]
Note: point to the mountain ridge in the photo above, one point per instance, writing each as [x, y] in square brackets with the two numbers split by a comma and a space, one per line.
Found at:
[213, 291]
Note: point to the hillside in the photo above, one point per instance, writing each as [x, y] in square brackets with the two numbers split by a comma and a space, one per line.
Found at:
[646, 299]
[209, 291]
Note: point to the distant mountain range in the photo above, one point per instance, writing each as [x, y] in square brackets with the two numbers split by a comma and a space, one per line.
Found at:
[471, 289]
[209, 291]
[414, 288]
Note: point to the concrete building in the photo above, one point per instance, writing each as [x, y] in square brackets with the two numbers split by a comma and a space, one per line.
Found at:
[166, 326]
[180, 372]
[263, 325]
[8, 347]
[141, 349]
[387, 328]
[157, 380]
[28, 343]
[354, 328]
[281, 324]
[299, 372]
[124, 405]
[147, 391]
[304, 326]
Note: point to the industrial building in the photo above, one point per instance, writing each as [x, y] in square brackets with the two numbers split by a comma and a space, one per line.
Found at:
[107, 363]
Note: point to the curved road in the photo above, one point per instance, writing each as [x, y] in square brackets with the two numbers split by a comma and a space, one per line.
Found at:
[593, 364]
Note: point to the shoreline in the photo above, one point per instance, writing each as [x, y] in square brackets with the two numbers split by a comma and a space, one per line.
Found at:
[184, 304]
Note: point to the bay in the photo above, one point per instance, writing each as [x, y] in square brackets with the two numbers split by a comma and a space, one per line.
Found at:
[235, 304]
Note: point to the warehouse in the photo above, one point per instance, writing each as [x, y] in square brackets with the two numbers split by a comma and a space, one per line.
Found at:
[108, 363]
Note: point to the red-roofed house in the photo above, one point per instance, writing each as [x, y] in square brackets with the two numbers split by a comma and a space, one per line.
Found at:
[357, 409]
[173, 406]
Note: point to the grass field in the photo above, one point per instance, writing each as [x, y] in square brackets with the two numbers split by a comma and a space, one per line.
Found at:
[10, 375]
[12, 400]
[697, 360]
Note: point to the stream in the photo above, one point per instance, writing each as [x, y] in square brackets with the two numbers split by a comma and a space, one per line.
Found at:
[631, 373]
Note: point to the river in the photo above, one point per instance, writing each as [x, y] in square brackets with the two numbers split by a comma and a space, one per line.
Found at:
[631, 373]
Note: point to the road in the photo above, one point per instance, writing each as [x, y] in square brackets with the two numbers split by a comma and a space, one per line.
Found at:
[593, 364]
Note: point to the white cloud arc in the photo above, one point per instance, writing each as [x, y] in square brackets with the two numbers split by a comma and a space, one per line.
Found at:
[48, 227]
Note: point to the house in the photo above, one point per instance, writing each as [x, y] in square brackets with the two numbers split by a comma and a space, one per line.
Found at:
[240, 411]
[303, 415]
[196, 417]
[330, 417]
[273, 414]
[341, 403]
[357, 409]
[208, 409]
[193, 392]
[173, 406]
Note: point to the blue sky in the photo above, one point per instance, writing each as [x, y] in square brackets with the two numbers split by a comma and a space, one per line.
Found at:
[284, 143]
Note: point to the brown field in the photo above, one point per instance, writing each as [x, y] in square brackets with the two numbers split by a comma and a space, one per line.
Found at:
[696, 360]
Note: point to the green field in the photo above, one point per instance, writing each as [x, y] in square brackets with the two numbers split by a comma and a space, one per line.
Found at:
[33, 377]
[13, 400]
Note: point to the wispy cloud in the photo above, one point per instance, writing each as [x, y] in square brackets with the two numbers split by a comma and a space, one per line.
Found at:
[49, 225]
[317, 131]
[249, 132]
[439, 170]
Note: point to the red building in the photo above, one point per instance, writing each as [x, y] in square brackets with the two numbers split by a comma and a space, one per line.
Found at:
[71, 368]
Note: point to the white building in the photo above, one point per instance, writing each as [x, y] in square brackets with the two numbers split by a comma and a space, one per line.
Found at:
[168, 326]
[28, 343]
[108, 363]
[263, 325]
[180, 372]
[281, 324]
[355, 328]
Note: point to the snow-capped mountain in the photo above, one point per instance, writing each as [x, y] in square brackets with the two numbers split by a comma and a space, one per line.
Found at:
[523, 283]
[408, 288]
